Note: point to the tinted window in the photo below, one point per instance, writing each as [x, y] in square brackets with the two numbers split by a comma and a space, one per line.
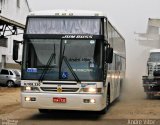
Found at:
[10, 73]
[118, 63]
[4, 72]
[116, 41]
[63, 26]
[17, 73]
[112, 65]
[154, 57]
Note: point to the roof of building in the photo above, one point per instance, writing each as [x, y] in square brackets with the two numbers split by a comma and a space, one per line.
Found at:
[9, 25]
[11, 22]
[68, 13]
[154, 50]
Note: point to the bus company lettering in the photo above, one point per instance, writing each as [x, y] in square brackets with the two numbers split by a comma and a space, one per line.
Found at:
[79, 59]
[84, 36]
[83, 70]
[78, 36]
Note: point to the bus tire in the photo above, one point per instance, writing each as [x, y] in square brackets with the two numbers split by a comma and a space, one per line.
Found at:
[103, 111]
[108, 97]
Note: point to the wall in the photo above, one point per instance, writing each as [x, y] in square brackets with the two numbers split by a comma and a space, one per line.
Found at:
[18, 13]
[9, 9]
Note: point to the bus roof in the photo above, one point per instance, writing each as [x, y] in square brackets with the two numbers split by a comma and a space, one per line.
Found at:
[67, 13]
[70, 13]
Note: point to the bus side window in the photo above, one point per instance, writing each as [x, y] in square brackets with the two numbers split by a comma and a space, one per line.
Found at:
[118, 63]
[123, 64]
[112, 66]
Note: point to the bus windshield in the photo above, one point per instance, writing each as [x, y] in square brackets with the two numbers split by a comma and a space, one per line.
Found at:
[63, 26]
[62, 59]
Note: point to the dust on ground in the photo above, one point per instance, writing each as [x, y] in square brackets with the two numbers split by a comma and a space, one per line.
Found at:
[9, 99]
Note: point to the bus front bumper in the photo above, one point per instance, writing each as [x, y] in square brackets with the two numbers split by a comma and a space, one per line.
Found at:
[86, 102]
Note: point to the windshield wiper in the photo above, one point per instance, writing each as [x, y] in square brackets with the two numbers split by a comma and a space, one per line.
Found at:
[71, 69]
[46, 68]
[69, 66]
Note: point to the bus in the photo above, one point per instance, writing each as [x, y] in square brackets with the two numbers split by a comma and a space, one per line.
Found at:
[72, 60]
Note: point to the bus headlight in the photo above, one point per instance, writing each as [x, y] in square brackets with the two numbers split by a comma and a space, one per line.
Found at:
[29, 89]
[92, 90]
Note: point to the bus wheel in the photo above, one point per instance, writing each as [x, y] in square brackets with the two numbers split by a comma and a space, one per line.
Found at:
[107, 102]
[43, 110]
[108, 98]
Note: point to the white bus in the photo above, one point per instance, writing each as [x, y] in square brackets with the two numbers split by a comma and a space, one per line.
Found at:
[72, 60]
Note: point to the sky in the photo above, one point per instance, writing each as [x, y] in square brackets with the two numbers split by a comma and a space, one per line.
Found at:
[128, 16]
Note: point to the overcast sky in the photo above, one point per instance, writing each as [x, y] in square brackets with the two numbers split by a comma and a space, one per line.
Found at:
[128, 16]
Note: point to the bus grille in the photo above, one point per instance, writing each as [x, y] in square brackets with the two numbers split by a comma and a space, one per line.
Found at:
[54, 89]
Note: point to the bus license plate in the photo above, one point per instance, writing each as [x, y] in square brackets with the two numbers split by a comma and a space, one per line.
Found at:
[59, 100]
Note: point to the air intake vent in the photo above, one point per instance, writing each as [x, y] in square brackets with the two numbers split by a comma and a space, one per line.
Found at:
[54, 89]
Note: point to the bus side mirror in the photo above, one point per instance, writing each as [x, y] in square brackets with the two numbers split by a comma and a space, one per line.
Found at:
[15, 50]
[109, 55]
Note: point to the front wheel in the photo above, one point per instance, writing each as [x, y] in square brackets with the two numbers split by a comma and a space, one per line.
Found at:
[107, 103]
[10, 83]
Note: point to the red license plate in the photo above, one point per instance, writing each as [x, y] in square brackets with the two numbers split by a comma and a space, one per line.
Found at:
[59, 100]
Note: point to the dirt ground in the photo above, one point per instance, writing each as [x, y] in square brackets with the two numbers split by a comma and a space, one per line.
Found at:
[130, 107]
[9, 99]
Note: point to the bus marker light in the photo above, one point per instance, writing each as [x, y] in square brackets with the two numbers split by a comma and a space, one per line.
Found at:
[33, 99]
[92, 100]
[86, 100]
[89, 101]
[27, 99]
